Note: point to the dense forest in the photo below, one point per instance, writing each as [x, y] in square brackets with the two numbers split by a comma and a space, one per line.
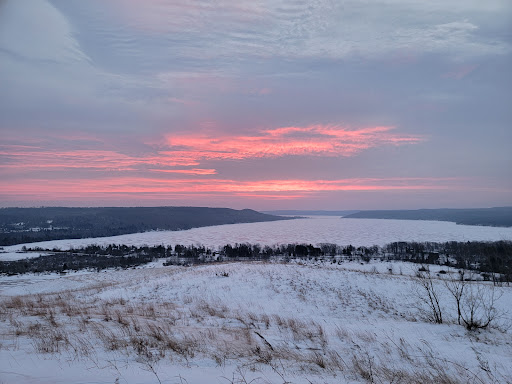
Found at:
[28, 225]
[492, 259]
[495, 217]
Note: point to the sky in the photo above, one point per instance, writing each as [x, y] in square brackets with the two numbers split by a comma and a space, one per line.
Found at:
[262, 104]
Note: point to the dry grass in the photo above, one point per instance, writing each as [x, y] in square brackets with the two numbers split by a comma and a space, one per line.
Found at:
[74, 323]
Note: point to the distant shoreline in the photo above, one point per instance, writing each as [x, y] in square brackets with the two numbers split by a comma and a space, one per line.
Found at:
[29, 225]
[489, 217]
[298, 212]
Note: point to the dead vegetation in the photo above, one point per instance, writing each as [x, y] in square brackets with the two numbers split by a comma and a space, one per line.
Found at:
[84, 326]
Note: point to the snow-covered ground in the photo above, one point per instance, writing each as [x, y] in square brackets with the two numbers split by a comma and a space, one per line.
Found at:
[314, 230]
[299, 322]
[17, 255]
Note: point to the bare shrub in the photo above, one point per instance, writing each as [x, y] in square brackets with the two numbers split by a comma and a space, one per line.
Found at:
[429, 294]
[478, 306]
[475, 302]
[456, 289]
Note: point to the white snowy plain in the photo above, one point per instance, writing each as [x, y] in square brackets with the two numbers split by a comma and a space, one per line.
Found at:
[299, 322]
[312, 230]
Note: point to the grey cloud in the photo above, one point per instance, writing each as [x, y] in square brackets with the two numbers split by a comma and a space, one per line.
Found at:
[127, 70]
[160, 36]
[37, 31]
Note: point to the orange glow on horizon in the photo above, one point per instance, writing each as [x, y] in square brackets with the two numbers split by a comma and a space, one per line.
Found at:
[142, 187]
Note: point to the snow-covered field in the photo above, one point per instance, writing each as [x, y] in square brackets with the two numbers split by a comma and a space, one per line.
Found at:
[313, 230]
[301, 322]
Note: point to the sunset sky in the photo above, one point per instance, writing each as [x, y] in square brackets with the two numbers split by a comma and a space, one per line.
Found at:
[263, 104]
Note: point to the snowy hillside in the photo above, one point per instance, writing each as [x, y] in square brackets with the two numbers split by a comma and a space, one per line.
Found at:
[244, 323]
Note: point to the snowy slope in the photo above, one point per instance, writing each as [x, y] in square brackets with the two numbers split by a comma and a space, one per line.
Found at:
[241, 323]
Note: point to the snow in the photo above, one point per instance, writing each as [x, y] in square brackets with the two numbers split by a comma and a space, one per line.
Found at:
[314, 230]
[17, 255]
[298, 322]
[325, 322]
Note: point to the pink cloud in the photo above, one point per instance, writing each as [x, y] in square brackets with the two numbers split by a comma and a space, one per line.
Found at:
[24, 158]
[175, 169]
[194, 171]
[315, 140]
[145, 187]
[183, 154]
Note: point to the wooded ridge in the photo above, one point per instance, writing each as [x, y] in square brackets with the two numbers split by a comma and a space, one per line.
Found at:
[26, 225]
[495, 217]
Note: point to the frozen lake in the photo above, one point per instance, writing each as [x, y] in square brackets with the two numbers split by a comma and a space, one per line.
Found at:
[314, 230]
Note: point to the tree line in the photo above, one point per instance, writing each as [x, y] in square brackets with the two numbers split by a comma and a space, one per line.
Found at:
[487, 257]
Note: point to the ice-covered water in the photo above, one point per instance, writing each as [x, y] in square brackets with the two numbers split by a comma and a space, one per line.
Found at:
[314, 230]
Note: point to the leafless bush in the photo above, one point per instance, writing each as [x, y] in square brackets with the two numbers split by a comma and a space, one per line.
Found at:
[429, 294]
[475, 302]
[478, 306]
[456, 289]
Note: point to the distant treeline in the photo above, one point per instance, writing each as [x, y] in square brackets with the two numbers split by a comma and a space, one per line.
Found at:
[89, 257]
[486, 257]
[496, 217]
[28, 225]
[65, 262]
[295, 212]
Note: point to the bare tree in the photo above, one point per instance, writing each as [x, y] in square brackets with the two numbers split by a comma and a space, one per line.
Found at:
[456, 289]
[476, 301]
[429, 294]
[478, 305]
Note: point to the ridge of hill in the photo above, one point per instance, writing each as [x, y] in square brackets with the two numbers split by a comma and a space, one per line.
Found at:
[495, 217]
[25, 225]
